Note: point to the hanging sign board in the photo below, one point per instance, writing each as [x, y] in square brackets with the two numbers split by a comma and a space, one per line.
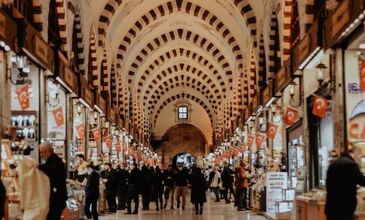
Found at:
[86, 93]
[8, 29]
[267, 93]
[101, 103]
[283, 76]
[112, 115]
[65, 73]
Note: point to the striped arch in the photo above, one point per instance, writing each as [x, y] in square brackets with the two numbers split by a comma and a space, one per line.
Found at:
[105, 17]
[274, 46]
[190, 73]
[185, 35]
[113, 85]
[291, 32]
[249, 15]
[186, 53]
[156, 94]
[78, 45]
[105, 76]
[60, 13]
[188, 8]
[37, 14]
[93, 64]
[238, 96]
[183, 96]
[310, 9]
[262, 64]
[252, 76]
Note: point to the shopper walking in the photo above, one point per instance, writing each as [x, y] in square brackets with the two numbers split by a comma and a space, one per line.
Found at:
[169, 180]
[198, 188]
[134, 187]
[157, 188]
[181, 182]
[121, 177]
[227, 181]
[241, 183]
[55, 169]
[215, 182]
[92, 192]
[146, 187]
[110, 188]
[343, 176]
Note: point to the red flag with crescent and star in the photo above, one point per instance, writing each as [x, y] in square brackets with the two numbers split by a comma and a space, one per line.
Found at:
[23, 96]
[58, 116]
[320, 105]
[242, 148]
[108, 141]
[271, 130]
[81, 131]
[259, 139]
[96, 134]
[249, 141]
[362, 74]
[291, 116]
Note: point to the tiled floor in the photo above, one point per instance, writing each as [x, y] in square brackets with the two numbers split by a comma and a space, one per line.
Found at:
[212, 211]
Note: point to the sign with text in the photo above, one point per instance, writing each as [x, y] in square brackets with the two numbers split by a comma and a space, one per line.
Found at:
[276, 182]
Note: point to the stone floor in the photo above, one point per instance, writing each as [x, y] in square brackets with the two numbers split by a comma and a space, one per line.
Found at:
[212, 211]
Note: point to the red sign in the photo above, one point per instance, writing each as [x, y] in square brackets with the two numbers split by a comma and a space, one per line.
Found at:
[249, 141]
[362, 74]
[124, 148]
[271, 130]
[259, 139]
[96, 134]
[108, 141]
[58, 116]
[118, 147]
[242, 148]
[320, 105]
[23, 96]
[81, 131]
[291, 116]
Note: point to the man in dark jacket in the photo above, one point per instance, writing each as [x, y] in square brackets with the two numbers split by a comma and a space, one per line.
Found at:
[343, 176]
[110, 187]
[55, 169]
[92, 192]
[134, 187]
[169, 177]
[181, 183]
[227, 181]
[121, 176]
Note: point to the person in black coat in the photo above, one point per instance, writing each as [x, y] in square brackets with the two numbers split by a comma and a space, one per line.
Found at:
[55, 169]
[110, 187]
[198, 188]
[134, 188]
[157, 187]
[227, 181]
[146, 187]
[2, 199]
[169, 179]
[121, 177]
[343, 176]
[92, 192]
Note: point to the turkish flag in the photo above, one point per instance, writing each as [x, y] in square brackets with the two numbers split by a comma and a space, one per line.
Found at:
[118, 148]
[320, 105]
[242, 148]
[125, 148]
[108, 141]
[96, 134]
[259, 139]
[81, 131]
[58, 116]
[23, 96]
[271, 130]
[249, 141]
[291, 116]
[362, 74]
[236, 151]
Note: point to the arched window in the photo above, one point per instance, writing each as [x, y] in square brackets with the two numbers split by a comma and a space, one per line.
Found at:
[183, 112]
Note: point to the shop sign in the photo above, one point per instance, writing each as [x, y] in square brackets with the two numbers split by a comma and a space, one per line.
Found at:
[340, 19]
[112, 115]
[8, 29]
[276, 182]
[86, 93]
[267, 94]
[37, 47]
[67, 75]
[306, 46]
[120, 122]
[283, 76]
[255, 102]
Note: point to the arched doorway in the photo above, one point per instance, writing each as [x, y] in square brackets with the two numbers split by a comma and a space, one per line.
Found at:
[186, 159]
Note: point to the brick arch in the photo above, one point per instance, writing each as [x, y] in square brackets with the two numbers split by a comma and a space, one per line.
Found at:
[262, 73]
[274, 45]
[188, 8]
[37, 15]
[253, 87]
[175, 35]
[78, 45]
[181, 52]
[249, 16]
[176, 97]
[93, 77]
[154, 99]
[192, 73]
[291, 32]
